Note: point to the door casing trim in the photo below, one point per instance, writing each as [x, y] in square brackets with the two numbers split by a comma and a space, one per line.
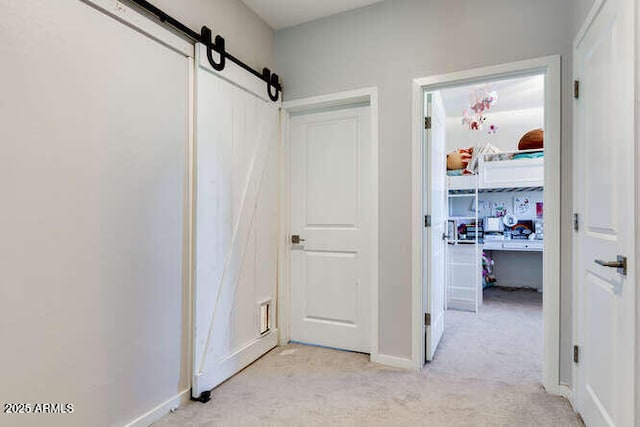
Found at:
[550, 66]
[333, 100]
[637, 196]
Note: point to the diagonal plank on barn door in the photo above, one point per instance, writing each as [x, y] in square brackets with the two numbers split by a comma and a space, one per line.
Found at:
[240, 237]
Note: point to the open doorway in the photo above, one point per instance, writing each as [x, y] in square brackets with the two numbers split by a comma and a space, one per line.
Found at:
[493, 135]
[488, 204]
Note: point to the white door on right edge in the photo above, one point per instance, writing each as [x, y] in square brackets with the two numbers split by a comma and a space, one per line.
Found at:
[604, 199]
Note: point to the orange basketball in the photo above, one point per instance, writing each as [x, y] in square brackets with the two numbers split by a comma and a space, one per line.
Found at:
[532, 140]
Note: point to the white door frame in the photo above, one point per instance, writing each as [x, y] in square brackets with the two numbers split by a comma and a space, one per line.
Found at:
[550, 66]
[334, 100]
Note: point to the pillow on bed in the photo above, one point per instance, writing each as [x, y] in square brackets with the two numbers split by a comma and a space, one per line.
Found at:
[532, 140]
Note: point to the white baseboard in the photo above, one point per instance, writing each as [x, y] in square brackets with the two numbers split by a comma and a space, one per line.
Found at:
[518, 284]
[562, 390]
[396, 362]
[462, 305]
[161, 410]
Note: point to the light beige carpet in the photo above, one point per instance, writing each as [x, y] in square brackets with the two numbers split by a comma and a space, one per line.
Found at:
[486, 373]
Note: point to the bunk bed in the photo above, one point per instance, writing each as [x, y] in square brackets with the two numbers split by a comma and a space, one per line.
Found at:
[514, 169]
[510, 170]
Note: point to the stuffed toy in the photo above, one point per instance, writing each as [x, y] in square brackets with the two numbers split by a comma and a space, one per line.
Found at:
[532, 140]
[459, 159]
[487, 270]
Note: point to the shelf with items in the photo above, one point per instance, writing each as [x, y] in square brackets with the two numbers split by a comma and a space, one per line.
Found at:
[469, 232]
[465, 230]
[463, 205]
[513, 215]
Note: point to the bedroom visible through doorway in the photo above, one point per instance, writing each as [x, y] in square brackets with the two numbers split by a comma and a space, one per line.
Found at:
[491, 256]
[488, 167]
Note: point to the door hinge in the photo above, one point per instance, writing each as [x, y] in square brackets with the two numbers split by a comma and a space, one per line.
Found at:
[427, 220]
[427, 319]
[576, 89]
[576, 222]
[427, 122]
[576, 354]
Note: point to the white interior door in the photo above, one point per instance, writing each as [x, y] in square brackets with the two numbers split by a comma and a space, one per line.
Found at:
[237, 222]
[604, 187]
[331, 204]
[435, 208]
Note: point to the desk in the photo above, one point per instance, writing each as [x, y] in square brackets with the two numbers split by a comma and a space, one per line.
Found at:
[514, 245]
[518, 263]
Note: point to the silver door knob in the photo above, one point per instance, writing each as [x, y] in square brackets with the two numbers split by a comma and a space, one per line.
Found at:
[620, 263]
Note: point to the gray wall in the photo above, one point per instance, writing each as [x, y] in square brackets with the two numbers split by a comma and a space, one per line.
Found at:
[246, 35]
[387, 45]
[581, 9]
[94, 302]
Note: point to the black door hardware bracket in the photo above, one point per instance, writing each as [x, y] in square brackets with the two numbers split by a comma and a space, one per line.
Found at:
[274, 88]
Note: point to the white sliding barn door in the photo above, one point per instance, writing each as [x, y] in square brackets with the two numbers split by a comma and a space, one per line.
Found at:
[237, 222]
[331, 204]
[604, 178]
[435, 206]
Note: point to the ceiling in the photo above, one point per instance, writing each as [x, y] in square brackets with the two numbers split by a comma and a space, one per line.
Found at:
[287, 13]
[513, 94]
